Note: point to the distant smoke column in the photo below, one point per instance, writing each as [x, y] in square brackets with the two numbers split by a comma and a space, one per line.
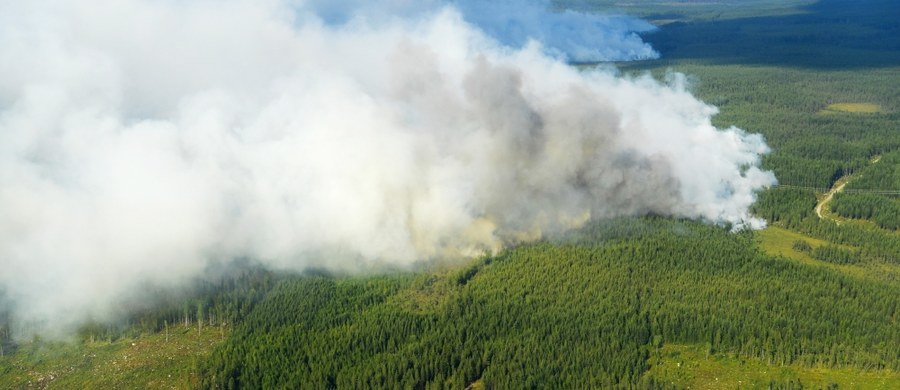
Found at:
[571, 35]
[565, 34]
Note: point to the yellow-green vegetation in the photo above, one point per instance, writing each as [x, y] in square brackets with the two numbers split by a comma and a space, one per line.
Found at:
[692, 367]
[777, 241]
[477, 385]
[429, 293]
[146, 362]
[856, 108]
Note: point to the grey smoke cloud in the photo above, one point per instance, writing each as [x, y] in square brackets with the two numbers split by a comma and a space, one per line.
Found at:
[140, 140]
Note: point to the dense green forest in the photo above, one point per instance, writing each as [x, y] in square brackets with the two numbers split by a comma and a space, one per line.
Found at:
[584, 313]
[884, 211]
[651, 302]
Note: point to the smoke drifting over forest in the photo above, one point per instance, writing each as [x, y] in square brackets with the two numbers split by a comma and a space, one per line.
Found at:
[565, 34]
[140, 140]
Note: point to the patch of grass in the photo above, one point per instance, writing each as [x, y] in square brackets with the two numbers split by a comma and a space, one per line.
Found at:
[146, 362]
[777, 241]
[428, 293]
[856, 108]
[690, 366]
[477, 385]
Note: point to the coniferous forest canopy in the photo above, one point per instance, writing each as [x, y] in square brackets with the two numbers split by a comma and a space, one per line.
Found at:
[811, 301]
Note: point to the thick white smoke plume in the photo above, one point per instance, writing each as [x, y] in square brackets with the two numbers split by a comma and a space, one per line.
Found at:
[141, 139]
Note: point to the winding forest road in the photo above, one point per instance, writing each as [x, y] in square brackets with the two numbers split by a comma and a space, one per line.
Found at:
[838, 187]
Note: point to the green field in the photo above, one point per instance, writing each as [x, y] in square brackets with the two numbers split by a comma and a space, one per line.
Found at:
[777, 241]
[693, 367]
[150, 361]
[854, 108]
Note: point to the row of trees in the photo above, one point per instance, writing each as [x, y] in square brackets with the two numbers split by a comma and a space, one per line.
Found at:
[882, 210]
[219, 301]
[6, 340]
[829, 253]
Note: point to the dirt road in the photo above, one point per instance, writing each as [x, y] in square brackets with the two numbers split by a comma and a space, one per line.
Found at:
[838, 187]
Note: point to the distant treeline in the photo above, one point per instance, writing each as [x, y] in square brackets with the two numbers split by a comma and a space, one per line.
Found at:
[221, 301]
